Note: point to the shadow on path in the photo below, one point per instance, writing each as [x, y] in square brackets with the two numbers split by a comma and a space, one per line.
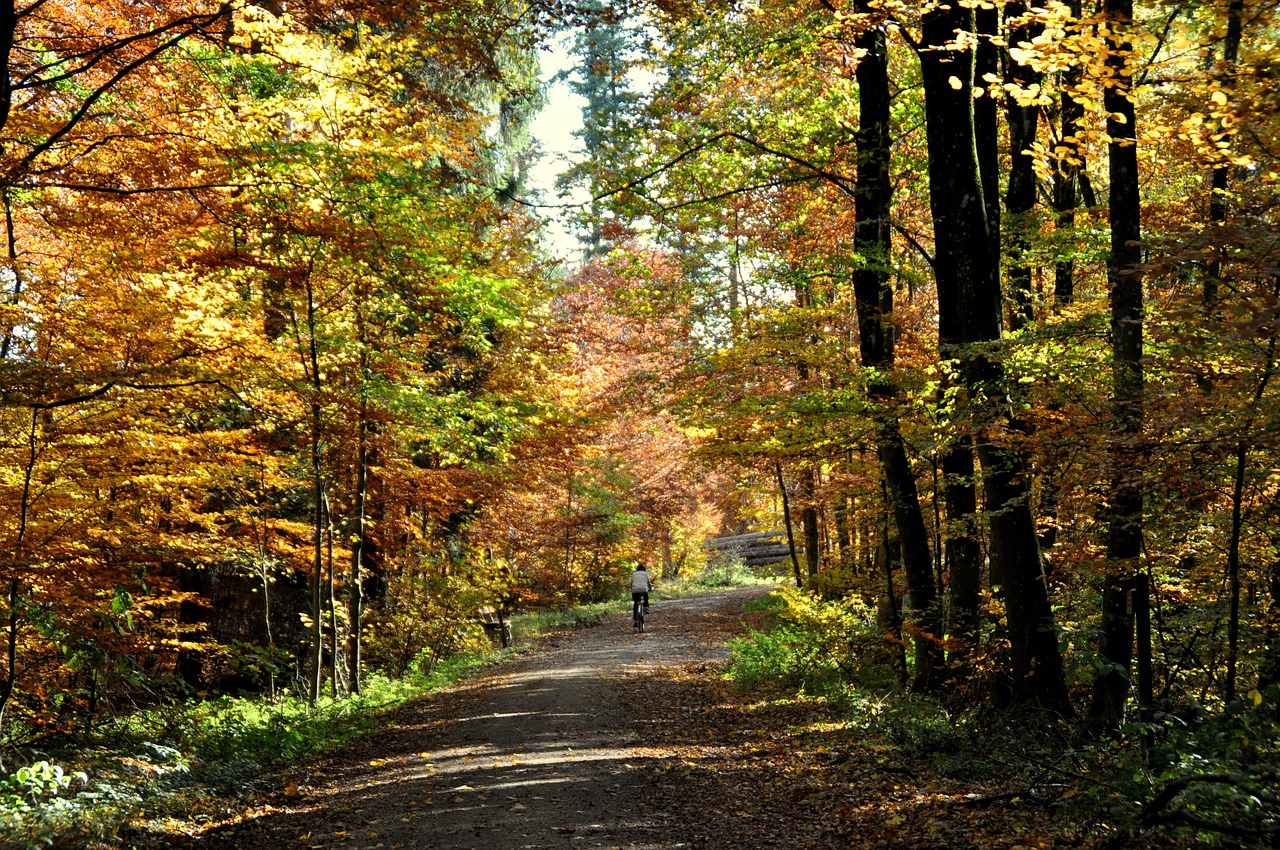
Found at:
[550, 753]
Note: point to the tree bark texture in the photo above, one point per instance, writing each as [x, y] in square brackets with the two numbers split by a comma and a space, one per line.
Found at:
[786, 519]
[355, 591]
[986, 118]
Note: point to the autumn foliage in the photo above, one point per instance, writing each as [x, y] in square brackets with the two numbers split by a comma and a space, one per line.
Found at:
[1016, 384]
[975, 303]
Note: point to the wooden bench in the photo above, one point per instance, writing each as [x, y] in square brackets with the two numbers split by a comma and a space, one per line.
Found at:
[495, 626]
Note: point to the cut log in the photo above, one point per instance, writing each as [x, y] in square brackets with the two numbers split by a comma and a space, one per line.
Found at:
[763, 551]
[766, 561]
[737, 541]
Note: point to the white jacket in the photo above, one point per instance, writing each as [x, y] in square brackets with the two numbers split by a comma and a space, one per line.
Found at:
[640, 582]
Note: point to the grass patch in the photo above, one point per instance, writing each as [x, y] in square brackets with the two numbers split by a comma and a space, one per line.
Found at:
[718, 574]
[528, 628]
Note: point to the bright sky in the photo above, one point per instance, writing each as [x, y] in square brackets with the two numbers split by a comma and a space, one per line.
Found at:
[554, 128]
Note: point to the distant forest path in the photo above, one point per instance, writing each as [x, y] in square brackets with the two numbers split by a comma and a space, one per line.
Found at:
[582, 745]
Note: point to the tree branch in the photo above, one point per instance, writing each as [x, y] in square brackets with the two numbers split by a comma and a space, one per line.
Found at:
[1154, 813]
[911, 240]
[193, 26]
[11, 400]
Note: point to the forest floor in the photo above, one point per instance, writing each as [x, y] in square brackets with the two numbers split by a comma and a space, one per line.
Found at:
[603, 738]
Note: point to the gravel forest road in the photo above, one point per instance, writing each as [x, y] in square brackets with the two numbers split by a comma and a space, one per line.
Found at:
[553, 751]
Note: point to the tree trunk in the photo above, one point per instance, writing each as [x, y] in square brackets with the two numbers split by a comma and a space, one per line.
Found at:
[1142, 623]
[11, 241]
[355, 591]
[844, 534]
[331, 597]
[964, 554]
[311, 359]
[568, 538]
[14, 618]
[1124, 511]
[890, 616]
[1269, 666]
[1065, 177]
[986, 118]
[317, 596]
[1020, 196]
[966, 266]
[809, 522]
[1220, 185]
[874, 299]
[1237, 518]
[668, 563]
[786, 519]
[355, 597]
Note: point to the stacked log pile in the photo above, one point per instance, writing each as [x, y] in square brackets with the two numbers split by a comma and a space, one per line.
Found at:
[756, 549]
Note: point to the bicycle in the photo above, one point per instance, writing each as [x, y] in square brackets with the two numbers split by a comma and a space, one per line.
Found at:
[637, 617]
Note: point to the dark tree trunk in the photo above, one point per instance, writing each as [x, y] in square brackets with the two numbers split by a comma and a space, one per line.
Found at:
[309, 353]
[1217, 211]
[966, 266]
[786, 519]
[874, 297]
[1237, 516]
[1020, 196]
[964, 553]
[986, 118]
[1066, 175]
[1124, 513]
[809, 522]
[889, 616]
[844, 534]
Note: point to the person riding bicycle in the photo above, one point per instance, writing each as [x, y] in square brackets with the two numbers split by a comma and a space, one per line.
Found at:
[641, 586]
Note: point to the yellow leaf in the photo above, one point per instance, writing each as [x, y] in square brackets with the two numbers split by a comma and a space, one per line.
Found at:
[1219, 97]
[955, 83]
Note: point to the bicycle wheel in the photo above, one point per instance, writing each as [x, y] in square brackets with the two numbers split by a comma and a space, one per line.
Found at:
[638, 619]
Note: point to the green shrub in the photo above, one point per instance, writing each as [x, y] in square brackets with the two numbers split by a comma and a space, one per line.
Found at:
[817, 645]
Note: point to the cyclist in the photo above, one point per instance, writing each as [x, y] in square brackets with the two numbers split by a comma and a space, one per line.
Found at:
[641, 586]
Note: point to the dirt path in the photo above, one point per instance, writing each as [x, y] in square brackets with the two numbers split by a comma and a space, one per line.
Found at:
[557, 751]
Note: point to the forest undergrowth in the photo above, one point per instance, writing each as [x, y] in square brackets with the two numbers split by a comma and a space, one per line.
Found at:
[813, 698]
[192, 760]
